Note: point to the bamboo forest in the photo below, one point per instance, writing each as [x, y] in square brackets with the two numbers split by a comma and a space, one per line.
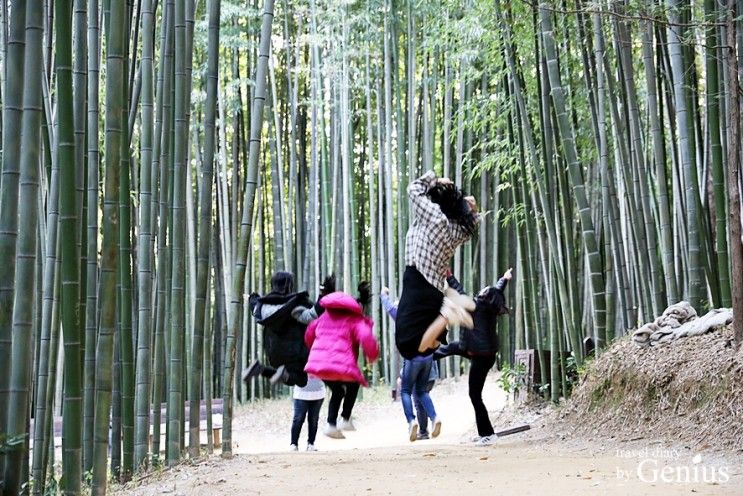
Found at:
[163, 159]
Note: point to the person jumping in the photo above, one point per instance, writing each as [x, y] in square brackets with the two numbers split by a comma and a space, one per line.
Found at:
[333, 340]
[443, 219]
[284, 315]
[479, 344]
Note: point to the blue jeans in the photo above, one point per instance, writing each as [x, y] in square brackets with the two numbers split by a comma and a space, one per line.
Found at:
[420, 410]
[311, 409]
[415, 374]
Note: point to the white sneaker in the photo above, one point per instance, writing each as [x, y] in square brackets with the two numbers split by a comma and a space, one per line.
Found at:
[486, 440]
[436, 427]
[346, 425]
[413, 430]
[334, 432]
[293, 447]
[311, 447]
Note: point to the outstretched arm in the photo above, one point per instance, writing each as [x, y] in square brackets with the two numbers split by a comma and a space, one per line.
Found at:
[387, 304]
[503, 281]
[304, 315]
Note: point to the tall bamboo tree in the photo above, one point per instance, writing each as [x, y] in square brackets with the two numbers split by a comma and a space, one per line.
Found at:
[178, 280]
[205, 224]
[576, 177]
[695, 280]
[114, 148]
[91, 285]
[256, 124]
[144, 244]
[72, 429]
[23, 303]
[13, 64]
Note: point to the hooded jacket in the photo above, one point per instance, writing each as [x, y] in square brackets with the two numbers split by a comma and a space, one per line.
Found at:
[284, 316]
[334, 340]
[482, 339]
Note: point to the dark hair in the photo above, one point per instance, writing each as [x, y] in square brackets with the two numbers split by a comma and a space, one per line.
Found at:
[494, 299]
[450, 200]
[328, 285]
[282, 283]
[364, 293]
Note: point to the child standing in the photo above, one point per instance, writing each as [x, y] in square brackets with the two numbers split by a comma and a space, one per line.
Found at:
[412, 383]
[307, 403]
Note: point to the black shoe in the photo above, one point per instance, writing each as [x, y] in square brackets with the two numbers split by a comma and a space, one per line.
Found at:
[253, 371]
[281, 375]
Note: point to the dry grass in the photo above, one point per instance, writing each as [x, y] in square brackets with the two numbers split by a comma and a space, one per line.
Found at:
[690, 391]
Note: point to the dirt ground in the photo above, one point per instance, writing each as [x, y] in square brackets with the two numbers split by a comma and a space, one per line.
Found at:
[378, 458]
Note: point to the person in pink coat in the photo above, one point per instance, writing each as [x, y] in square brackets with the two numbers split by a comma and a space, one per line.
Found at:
[333, 340]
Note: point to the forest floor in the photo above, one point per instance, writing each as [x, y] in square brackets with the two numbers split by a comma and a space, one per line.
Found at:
[378, 458]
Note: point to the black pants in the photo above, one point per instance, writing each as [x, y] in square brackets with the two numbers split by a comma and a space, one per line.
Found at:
[479, 367]
[453, 348]
[297, 375]
[345, 392]
[302, 409]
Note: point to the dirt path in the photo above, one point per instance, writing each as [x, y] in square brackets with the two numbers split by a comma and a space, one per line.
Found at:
[378, 459]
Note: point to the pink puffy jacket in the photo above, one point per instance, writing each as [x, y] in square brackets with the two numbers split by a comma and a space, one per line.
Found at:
[334, 338]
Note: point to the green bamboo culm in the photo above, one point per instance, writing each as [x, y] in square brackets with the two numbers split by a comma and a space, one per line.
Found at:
[576, 178]
[205, 227]
[72, 411]
[246, 224]
[161, 162]
[177, 317]
[114, 145]
[11, 142]
[144, 247]
[91, 285]
[718, 166]
[125, 297]
[696, 290]
[25, 249]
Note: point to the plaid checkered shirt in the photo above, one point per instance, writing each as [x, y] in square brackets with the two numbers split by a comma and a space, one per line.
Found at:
[432, 239]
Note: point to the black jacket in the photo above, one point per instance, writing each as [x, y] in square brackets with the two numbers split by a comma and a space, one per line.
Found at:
[482, 339]
[283, 332]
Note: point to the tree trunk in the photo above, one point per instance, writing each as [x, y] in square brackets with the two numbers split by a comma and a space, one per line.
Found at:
[734, 200]
[114, 148]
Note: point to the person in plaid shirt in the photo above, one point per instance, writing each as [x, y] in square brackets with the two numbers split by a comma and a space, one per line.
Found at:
[443, 220]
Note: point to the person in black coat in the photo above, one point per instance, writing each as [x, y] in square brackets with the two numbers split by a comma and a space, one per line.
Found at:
[479, 344]
[284, 316]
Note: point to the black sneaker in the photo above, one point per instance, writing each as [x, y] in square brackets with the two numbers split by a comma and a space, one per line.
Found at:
[422, 436]
[253, 371]
[281, 375]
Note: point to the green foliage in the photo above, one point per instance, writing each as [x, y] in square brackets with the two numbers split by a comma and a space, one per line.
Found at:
[513, 379]
[7, 443]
